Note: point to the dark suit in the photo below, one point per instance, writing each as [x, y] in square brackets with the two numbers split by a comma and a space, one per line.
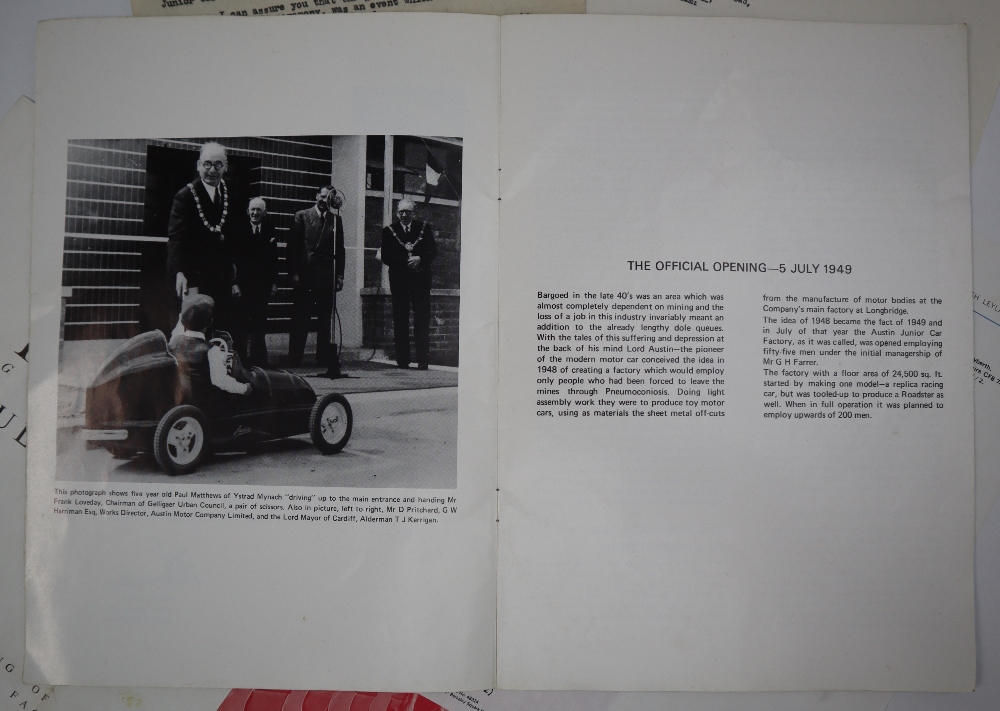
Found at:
[193, 374]
[312, 243]
[256, 259]
[202, 254]
[411, 288]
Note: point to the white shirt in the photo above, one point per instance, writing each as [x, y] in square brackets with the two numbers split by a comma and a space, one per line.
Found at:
[210, 189]
[219, 362]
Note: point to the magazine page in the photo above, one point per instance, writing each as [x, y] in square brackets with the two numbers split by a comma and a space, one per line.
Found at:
[982, 20]
[504, 700]
[16, 131]
[259, 8]
[736, 420]
[231, 215]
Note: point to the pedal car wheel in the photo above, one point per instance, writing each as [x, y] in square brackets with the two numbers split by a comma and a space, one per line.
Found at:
[330, 423]
[181, 440]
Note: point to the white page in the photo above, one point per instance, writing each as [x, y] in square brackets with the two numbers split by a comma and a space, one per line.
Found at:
[981, 16]
[149, 8]
[369, 606]
[987, 694]
[17, 38]
[986, 307]
[986, 180]
[15, 187]
[101, 698]
[735, 552]
[502, 700]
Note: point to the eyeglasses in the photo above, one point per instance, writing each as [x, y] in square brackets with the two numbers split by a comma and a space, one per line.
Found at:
[208, 165]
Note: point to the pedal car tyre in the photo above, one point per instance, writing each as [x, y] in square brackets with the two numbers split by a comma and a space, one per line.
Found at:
[330, 423]
[181, 440]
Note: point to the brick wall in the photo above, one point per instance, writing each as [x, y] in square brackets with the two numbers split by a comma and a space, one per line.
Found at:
[116, 219]
[444, 327]
[446, 220]
[378, 332]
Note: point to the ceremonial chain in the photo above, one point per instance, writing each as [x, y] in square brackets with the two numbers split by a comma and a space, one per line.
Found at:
[409, 246]
[225, 207]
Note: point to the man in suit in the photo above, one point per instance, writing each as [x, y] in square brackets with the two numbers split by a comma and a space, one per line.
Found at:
[408, 249]
[316, 267]
[256, 259]
[198, 256]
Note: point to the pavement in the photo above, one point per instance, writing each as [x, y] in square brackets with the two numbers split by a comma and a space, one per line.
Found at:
[405, 433]
[379, 376]
[401, 439]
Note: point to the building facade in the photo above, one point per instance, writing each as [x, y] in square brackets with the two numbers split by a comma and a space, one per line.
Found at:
[118, 199]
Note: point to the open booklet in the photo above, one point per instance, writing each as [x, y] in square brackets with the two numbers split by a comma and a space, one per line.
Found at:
[658, 333]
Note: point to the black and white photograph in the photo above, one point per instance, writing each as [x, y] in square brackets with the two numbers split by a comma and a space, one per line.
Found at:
[261, 310]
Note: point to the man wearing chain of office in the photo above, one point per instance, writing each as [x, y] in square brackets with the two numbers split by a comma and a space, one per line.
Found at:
[408, 249]
[199, 259]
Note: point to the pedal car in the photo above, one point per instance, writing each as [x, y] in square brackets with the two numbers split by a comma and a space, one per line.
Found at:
[136, 404]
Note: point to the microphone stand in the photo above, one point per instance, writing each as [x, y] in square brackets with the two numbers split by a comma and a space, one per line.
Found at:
[333, 371]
